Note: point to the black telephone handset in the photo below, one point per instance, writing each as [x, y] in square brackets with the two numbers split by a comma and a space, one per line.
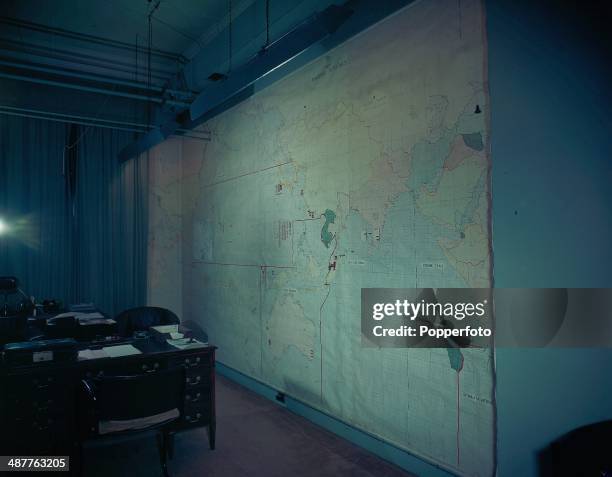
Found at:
[16, 302]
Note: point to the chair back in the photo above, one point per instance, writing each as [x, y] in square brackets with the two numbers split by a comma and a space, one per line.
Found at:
[131, 398]
[141, 318]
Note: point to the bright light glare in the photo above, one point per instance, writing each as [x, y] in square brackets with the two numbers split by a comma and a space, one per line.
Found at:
[3, 227]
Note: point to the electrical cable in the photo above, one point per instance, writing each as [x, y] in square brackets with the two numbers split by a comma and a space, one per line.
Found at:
[229, 69]
[177, 30]
[96, 116]
[149, 56]
[267, 23]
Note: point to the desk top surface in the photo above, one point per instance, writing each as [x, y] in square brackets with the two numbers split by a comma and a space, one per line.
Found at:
[148, 347]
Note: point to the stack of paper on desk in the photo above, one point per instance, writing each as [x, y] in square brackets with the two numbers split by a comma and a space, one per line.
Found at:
[94, 318]
[121, 350]
[165, 328]
[109, 352]
[96, 315]
[186, 343]
[166, 332]
[96, 321]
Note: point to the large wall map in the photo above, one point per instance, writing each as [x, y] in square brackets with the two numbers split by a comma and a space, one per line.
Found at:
[366, 168]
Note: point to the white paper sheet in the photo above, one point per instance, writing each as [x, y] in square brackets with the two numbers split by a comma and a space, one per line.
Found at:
[166, 328]
[186, 343]
[121, 350]
[92, 354]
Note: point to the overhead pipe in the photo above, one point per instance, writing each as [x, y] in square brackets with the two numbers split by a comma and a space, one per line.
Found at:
[23, 48]
[69, 121]
[97, 78]
[74, 116]
[90, 38]
[87, 121]
[314, 29]
[93, 89]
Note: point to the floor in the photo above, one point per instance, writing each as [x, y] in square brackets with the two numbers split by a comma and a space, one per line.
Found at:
[255, 437]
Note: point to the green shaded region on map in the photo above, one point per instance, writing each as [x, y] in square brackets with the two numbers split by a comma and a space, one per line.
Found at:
[456, 358]
[326, 235]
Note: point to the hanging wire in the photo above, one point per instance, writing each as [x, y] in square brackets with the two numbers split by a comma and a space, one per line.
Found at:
[96, 116]
[178, 30]
[137, 116]
[229, 69]
[136, 60]
[267, 23]
[149, 48]
[149, 82]
[149, 57]
[86, 131]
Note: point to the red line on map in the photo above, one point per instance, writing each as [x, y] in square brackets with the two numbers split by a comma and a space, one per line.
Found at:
[459, 408]
[458, 419]
[222, 181]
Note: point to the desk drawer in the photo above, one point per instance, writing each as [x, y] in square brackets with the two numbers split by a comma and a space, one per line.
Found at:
[30, 409]
[40, 434]
[202, 360]
[32, 395]
[197, 395]
[196, 414]
[196, 377]
[36, 384]
[128, 368]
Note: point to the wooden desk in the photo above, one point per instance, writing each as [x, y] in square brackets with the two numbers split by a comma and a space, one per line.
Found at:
[38, 403]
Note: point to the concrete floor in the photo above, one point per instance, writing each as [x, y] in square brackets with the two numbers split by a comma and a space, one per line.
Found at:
[255, 437]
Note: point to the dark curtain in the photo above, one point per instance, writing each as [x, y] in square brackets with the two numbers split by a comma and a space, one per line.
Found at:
[79, 242]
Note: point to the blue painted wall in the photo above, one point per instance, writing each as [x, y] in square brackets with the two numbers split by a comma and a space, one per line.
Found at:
[551, 126]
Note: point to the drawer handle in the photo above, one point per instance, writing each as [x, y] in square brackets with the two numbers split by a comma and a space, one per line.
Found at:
[43, 403]
[195, 380]
[42, 383]
[196, 418]
[42, 426]
[195, 398]
[189, 362]
[40, 407]
[152, 369]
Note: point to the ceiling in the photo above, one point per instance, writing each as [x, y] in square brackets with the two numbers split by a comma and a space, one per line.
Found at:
[93, 58]
[176, 23]
[68, 31]
[157, 67]
[93, 50]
